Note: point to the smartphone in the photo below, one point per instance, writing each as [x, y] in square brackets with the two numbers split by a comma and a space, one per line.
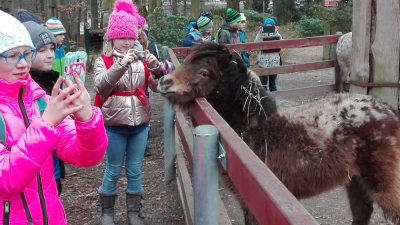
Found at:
[75, 62]
[140, 54]
[268, 29]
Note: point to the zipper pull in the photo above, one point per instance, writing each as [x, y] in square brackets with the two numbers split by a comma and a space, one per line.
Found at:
[7, 207]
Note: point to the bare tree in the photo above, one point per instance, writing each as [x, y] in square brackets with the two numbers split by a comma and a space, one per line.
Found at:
[249, 4]
[174, 7]
[234, 4]
[94, 14]
[195, 8]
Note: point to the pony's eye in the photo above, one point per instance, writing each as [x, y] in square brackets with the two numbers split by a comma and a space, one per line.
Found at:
[203, 73]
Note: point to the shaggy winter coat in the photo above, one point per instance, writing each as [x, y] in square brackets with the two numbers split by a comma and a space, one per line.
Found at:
[26, 165]
[124, 110]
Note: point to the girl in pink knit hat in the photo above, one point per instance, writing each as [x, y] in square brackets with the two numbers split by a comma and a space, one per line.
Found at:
[122, 77]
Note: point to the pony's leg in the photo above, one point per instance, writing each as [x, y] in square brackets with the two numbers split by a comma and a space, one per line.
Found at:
[361, 203]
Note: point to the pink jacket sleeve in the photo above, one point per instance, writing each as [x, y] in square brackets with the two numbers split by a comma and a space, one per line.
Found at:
[79, 143]
[84, 146]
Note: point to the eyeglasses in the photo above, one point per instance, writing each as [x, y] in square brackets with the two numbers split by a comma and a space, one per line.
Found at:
[243, 21]
[15, 57]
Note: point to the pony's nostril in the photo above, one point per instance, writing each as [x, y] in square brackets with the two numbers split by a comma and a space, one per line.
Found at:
[167, 82]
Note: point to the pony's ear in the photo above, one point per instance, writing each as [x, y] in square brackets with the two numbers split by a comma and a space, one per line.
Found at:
[224, 59]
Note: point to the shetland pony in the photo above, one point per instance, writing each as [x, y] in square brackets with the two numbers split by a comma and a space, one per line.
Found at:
[343, 139]
[343, 62]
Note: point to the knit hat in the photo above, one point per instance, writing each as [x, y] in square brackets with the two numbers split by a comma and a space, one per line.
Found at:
[208, 14]
[122, 22]
[25, 16]
[204, 23]
[141, 20]
[55, 26]
[243, 17]
[269, 21]
[232, 16]
[12, 33]
[40, 35]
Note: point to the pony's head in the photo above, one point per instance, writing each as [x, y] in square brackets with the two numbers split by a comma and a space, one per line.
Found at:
[207, 66]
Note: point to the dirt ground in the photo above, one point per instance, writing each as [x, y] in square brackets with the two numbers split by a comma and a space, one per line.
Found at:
[162, 204]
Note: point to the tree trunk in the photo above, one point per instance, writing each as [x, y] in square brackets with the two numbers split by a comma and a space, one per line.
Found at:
[184, 8]
[152, 6]
[249, 5]
[159, 3]
[274, 2]
[195, 9]
[63, 17]
[95, 14]
[174, 7]
[106, 6]
[234, 4]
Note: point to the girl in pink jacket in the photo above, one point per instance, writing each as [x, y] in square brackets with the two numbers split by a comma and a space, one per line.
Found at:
[28, 193]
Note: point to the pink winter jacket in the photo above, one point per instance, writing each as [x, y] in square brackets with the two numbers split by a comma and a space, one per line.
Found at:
[28, 166]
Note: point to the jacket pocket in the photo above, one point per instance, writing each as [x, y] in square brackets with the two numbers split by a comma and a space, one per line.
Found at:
[6, 213]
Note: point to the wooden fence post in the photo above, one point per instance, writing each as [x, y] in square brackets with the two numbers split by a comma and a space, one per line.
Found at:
[361, 44]
[326, 47]
[385, 50]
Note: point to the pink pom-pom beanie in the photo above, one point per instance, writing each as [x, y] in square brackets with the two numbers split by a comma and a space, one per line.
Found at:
[141, 20]
[122, 22]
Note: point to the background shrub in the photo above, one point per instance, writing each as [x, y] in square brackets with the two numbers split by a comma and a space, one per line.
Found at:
[308, 27]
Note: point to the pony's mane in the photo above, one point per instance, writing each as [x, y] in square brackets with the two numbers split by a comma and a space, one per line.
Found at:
[247, 92]
[210, 49]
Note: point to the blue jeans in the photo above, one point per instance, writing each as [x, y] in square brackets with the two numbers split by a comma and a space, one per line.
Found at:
[131, 143]
[272, 82]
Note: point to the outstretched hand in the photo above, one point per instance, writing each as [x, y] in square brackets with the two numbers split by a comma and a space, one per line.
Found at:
[74, 99]
[85, 113]
[150, 59]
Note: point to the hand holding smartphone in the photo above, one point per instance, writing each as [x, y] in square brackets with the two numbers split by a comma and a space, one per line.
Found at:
[75, 62]
[268, 29]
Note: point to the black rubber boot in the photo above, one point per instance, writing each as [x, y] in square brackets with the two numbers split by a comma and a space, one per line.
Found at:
[133, 206]
[107, 209]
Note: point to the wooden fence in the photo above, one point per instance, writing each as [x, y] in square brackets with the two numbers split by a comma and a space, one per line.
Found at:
[268, 199]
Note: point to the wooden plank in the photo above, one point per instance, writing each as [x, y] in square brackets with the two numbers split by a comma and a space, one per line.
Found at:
[266, 196]
[361, 44]
[304, 91]
[385, 50]
[96, 31]
[173, 58]
[184, 184]
[186, 134]
[294, 68]
[257, 46]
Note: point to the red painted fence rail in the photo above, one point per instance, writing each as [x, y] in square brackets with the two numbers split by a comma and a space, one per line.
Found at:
[257, 46]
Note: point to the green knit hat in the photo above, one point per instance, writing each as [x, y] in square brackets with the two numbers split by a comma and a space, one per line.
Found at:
[204, 23]
[232, 16]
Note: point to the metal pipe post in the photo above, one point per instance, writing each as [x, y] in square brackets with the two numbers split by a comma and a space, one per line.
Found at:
[169, 142]
[205, 167]
[164, 53]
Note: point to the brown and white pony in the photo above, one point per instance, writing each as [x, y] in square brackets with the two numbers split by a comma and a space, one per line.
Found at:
[343, 139]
